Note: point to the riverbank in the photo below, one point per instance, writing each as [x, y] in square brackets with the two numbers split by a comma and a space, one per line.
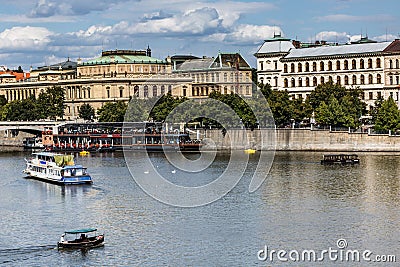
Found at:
[302, 140]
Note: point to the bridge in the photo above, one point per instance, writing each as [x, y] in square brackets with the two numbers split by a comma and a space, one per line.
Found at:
[32, 127]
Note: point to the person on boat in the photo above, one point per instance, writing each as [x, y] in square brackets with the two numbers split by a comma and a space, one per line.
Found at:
[62, 238]
[83, 237]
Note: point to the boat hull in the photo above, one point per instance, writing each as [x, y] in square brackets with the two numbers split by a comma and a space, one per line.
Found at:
[92, 242]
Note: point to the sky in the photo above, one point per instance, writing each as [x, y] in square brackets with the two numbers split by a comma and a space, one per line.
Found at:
[42, 32]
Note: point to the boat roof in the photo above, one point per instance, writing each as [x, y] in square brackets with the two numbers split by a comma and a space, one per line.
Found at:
[73, 167]
[47, 154]
[81, 231]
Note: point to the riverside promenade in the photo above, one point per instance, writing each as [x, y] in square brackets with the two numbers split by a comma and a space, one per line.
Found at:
[287, 139]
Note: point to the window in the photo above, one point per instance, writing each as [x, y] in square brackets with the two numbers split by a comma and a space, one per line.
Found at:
[169, 89]
[362, 79]
[361, 63]
[146, 91]
[136, 91]
[329, 65]
[379, 95]
[108, 92]
[390, 79]
[155, 90]
[322, 80]
[338, 80]
[330, 79]
[307, 67]
[314, 66]
[285, 68]
[307, 82]
[346, 80]
[378, 78]
[292, 67]
[315, 83]
[370, 96]
[88, 92]
[225, 77]
[261, 65]
[162, 89]
[121, 92]
[338, 65]
[276, 81]
[397, 63]
[299, 68]
[353, 64]
[354, 79]
[300, 82]
[293, 83]
[363, 95]
[397, 79]
[370, 79]
[285, 83]
[369, 63]
[321, 66]
[346, 65]
[378, 62]
[276, 64]
[390, 64]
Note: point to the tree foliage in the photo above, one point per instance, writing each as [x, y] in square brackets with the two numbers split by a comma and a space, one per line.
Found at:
[112, 112]
[387, 116]
[86, 112]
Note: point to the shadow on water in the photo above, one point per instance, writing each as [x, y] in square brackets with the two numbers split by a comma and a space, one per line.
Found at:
[14, 255]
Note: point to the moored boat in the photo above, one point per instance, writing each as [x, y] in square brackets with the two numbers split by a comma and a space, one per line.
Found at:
[88, 239]
[340, 159]
[56, 168]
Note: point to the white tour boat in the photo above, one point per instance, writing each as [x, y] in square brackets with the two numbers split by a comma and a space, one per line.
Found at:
[56, 168]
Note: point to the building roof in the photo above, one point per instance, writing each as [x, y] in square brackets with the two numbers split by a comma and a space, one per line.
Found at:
[7, 75]
[123, 56]
[222, 61]
[337, 50]
[65, 65]
[277, 44]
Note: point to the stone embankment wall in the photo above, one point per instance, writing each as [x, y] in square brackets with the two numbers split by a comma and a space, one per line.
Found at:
[301, 140]
[12, 140]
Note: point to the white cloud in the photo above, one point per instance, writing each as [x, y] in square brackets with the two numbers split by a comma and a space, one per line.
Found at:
[385, 37]
[29, 38]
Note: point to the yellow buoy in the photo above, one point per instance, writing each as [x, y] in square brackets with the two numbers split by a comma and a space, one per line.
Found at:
[250, 151]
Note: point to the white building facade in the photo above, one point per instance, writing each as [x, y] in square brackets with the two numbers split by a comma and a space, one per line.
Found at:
[371, 66]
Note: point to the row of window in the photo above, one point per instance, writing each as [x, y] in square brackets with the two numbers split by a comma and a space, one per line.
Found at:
[364, 95]
[19, 94]
[215, 77]
[307, 82]
[329, 65]
[204, 91]
[121, 69]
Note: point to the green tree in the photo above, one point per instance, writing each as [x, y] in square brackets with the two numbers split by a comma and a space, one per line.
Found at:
[86, 112]
[323, 114]
[112, 112]
[50, 103]
[388, 116]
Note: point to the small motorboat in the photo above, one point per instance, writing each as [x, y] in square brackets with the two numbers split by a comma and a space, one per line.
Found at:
[88, 239]
[340, 159]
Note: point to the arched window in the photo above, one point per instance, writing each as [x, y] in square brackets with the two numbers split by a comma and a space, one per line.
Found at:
[321, 66]
[390, 64]
[276, 81]
[108, 92]
[162, 89]
[88, 92]
[121, 91]
[378, 62]
[378, 78]
[300, 82]
[338, 65]
[354, 80]
[329, 65]
[397, 63]
[369, 63]
[370, 79]
[293, 83]
[307, 67]
[322, 80]
[299, 67]
[315, 82]
[353, 64]
[146, 91]
[307, 82]
[362, 79]
[292, 67]
[155, 90]
[314, 66]
[330, 79]
[390, 79]
[346, 80]
[136, 91]
[346, 65]
[285, 68]
[285, 83]
[361, 63]
[338, 80]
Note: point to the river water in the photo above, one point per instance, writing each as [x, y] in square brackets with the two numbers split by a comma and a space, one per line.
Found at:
[301, 206]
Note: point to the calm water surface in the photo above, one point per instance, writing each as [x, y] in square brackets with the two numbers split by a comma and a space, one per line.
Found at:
[302, 205]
